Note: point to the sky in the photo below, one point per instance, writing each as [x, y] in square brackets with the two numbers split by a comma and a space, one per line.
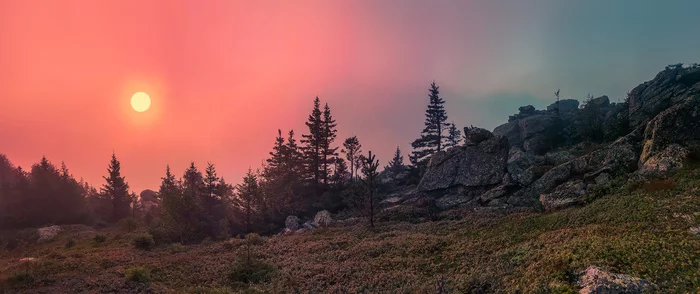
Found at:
[223, 76]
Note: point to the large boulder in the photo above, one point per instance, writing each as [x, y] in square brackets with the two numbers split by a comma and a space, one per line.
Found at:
[467, 166]
[565, 105]
[617, 158]
[595, 280]
[323, 218]
[564, 195]
[292, 222]
[671, 136]
[669, 87]
[519, 166]
[533, 133]
[474, 136]
[664, 163]
[600, 102]
[48, 233]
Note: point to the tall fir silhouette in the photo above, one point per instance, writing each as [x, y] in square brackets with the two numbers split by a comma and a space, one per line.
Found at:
[328, 152]
[432, 138]
[313, 146]
[117, 190]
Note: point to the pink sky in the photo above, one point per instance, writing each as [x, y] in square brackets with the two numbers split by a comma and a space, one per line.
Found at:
[224, 75]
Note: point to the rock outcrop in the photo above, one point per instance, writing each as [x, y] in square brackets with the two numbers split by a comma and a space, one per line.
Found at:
[565, 105]
[478, 165]
[617, 158]
[292, 222]
[532, 133]
[564, 195]
[670, 137]
[48, 233]
[323, 218]
[594, 280]
[668, 88]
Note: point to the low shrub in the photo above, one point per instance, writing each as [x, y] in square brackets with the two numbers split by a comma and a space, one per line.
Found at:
[177, 248]
[128, 224]
[99, 238]
[254, 239]
[70, 243]
[20, 278]
[232, 243]
[143, 241]
[250, 271]
[138, 274]
[160, 234]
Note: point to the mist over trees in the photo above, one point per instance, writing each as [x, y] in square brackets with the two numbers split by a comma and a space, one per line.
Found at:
[299, 177]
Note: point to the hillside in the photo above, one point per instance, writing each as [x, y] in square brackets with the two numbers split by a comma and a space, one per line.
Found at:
[645, 231]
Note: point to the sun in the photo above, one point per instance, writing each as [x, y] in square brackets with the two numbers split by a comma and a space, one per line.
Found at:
[140, 101]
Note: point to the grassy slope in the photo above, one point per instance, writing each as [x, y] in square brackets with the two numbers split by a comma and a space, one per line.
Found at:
[643, 232]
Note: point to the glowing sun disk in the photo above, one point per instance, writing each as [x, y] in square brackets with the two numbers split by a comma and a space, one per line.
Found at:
[140, 101]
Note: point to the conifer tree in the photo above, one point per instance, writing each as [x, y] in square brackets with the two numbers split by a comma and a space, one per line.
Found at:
[248, 193]
[117, 190]
[293, 157]
[328, 152]
[396, 165]
[313, 146]
[369, 170]
[454, 136]
[432, 137]
[352, 150]
[174, 213]
[340, 171]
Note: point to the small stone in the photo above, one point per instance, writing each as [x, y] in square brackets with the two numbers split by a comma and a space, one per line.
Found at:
[595, 280]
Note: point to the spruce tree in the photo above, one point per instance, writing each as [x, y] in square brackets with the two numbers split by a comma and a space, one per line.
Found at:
[432, 137]
[248, 193]
[277, 154]
[396, 165]
[369, 170]
[312, 146]
[328, 152]
[117, 190]
[454, 136]
[352, 149]
[293, 157]
[174, 213]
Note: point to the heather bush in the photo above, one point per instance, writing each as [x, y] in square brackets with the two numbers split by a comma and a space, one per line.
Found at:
[138, 274]
[143, 241]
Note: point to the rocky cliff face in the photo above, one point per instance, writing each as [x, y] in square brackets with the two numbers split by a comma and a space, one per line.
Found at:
[512, 167]
[668, 88]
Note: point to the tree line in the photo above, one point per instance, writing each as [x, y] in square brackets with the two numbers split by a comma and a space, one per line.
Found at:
[300, 176]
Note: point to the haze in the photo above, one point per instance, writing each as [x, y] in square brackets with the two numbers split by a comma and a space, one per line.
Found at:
[223, 76]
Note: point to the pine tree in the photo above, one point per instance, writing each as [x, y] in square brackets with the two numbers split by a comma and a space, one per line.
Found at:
[369, 170]
[117, 190]
[313, 146]
[396, 165]
[248, 193]
[432, 136]
[328, 152]
[454, 136]
[352, 150]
